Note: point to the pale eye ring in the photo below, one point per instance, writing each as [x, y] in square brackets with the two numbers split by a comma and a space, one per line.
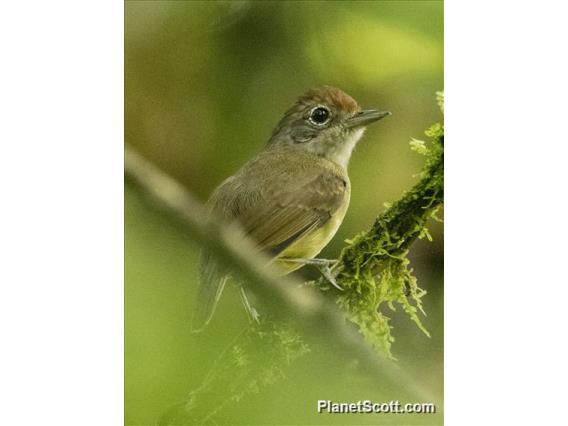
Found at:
[319, 116]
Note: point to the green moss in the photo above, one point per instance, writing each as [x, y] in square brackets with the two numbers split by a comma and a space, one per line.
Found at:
[373, 269]
[257, 358]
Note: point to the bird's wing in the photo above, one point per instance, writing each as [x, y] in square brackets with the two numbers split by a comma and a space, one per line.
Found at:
[287, 214]
[274, 215]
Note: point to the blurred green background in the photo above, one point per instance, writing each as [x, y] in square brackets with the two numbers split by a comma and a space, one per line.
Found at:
[205, 84]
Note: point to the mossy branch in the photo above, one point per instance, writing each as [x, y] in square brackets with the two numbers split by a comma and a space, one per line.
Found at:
[373, 269]
[257, 358]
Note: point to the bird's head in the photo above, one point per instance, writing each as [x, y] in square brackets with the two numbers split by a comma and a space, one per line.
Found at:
[325, 121]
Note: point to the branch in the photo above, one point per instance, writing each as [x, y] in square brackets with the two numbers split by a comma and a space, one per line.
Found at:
[311, 310]
[373, 269]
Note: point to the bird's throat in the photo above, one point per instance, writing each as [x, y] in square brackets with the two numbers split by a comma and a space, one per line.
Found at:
[341, 153]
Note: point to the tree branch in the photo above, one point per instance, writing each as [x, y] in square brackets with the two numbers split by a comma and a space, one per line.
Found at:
[309, 309]
[373, 269]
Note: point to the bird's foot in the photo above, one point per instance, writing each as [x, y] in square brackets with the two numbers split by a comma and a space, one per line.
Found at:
[251, 311]
[254, 316]
[325, 267]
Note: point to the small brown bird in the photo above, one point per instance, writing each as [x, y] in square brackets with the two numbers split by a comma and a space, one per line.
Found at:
[292, 197]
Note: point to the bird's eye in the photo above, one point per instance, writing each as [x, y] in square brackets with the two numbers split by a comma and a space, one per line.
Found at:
[319, 116]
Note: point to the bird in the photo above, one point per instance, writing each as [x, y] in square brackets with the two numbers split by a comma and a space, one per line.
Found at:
[291, 198]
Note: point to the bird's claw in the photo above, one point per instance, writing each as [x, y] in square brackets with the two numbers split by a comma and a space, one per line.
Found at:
[328, 275]
[323, 265]
[251, 311]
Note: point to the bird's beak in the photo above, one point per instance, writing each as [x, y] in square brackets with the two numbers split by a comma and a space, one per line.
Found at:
[362, 118]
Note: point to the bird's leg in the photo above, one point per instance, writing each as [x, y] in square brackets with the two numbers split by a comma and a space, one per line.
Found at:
[323, 265]
[251, 311]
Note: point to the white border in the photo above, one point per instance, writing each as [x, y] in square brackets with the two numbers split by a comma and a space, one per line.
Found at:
[61, 302]
[61, 224]
[506, 210]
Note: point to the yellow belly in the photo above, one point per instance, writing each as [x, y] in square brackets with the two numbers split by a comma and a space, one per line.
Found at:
[312, 243]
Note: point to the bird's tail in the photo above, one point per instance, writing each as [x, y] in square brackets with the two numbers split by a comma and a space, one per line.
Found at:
[212, 282]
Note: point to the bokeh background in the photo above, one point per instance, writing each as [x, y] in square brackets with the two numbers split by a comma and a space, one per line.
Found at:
[205, 84]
